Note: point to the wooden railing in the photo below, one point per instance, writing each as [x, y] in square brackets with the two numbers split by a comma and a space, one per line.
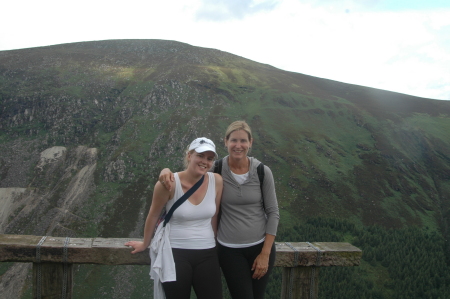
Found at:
[53, 258]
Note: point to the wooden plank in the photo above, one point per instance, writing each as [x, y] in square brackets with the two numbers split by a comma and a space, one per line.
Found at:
[332, 254]
[102, 251]
[111, 251]
[18, 248]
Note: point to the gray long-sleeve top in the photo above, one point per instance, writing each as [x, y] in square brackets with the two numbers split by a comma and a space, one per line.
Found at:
[243, 219]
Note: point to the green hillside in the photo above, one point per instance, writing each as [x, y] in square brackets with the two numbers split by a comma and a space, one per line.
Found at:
[351, 163]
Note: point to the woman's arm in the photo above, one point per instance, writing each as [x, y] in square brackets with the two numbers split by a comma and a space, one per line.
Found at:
[160, 197]
[270, 202]
[219, 189]
[166, 179]
[261, 263]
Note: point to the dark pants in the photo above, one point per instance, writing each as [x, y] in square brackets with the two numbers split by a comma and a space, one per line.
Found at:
[236, 264]
[197, 268]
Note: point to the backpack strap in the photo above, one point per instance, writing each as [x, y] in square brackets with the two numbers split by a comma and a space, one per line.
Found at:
[260, 171]
[218, 166]
[218, 169]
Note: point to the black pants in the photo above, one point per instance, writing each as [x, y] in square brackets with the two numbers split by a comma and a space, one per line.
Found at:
[197, 268]
[236, 264]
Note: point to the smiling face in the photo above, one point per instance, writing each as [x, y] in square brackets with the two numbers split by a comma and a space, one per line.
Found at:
[238, 144]
[200, 162]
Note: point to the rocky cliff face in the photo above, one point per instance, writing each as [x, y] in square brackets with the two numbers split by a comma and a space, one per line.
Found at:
[62, 181]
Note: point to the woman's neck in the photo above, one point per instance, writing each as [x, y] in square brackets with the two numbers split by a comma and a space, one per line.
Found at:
[240, 166]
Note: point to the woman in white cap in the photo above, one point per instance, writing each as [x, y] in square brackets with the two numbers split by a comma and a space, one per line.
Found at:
[193, 225]
[249, 216]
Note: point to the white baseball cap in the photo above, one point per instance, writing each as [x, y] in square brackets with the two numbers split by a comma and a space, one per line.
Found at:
[203, 144]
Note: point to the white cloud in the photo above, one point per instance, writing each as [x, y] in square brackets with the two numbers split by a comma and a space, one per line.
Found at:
[221, 10]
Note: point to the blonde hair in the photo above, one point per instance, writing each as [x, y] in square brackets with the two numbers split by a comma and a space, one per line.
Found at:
[185, 159]
[238, 125]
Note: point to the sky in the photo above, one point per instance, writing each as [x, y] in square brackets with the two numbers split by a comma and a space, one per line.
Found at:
[396, 45]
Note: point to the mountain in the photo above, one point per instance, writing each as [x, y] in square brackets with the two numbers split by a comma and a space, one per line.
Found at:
[86, 128]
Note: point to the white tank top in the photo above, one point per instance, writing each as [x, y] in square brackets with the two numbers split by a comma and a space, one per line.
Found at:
[190, 225]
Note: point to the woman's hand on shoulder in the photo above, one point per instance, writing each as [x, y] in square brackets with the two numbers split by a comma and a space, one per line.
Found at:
[166, 179]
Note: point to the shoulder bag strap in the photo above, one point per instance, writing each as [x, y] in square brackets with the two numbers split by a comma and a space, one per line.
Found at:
[182, 199]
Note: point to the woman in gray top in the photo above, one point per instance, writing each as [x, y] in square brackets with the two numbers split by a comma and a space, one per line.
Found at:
[249, 219]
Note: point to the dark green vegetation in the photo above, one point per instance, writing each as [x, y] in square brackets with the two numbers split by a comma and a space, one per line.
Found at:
[397, 263]
[351, 163]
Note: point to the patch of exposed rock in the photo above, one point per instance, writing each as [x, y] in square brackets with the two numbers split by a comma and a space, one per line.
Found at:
[51, 155]
[10, 200]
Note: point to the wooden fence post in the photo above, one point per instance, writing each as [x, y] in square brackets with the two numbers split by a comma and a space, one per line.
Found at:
[300, 283]
[50, 280]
